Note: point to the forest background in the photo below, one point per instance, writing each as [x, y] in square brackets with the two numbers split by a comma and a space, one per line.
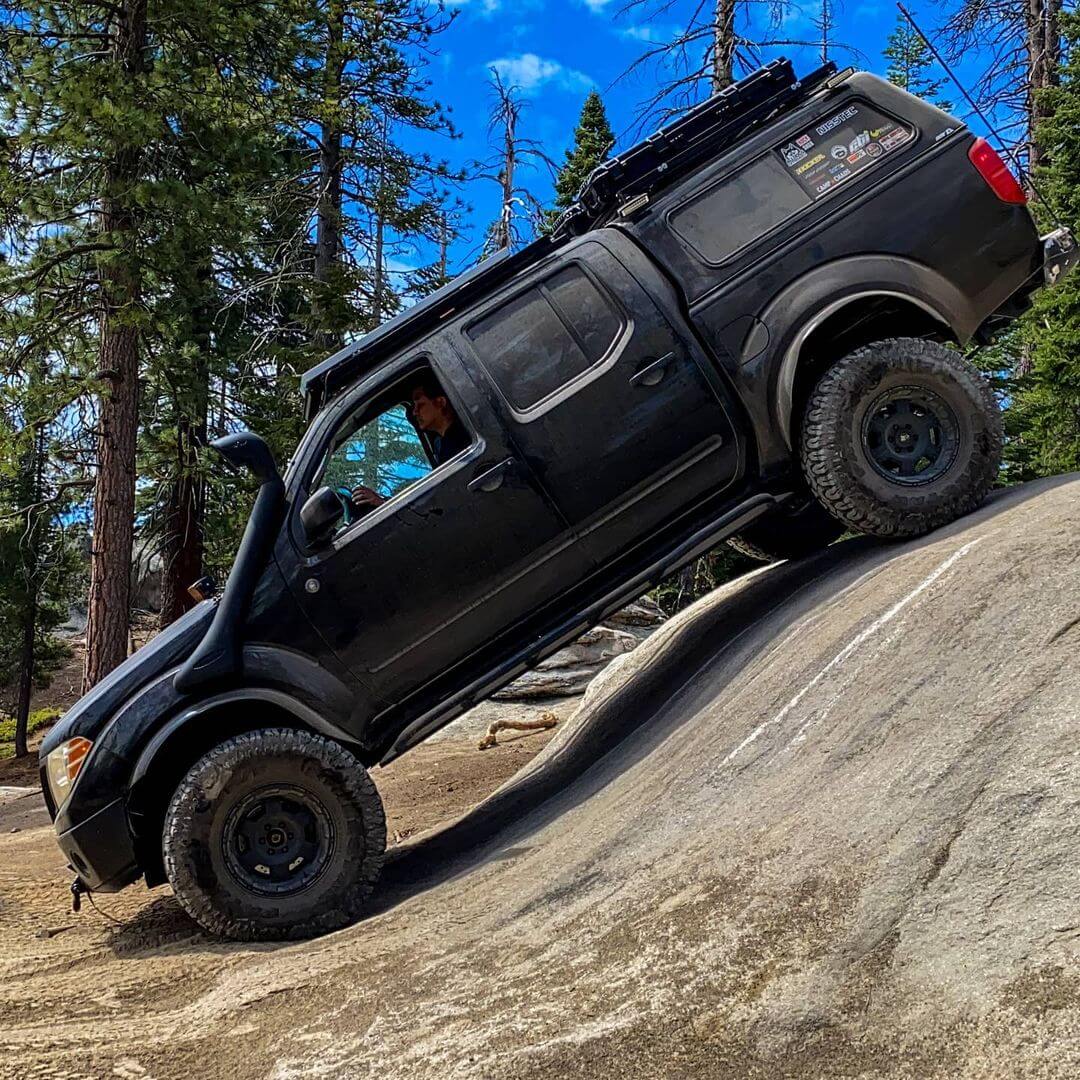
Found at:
[201, 198]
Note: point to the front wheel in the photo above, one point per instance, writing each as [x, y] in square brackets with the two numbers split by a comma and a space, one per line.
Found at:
[274, 834]
[900, 437]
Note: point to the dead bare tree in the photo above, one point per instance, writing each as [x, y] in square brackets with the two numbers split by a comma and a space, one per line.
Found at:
[1021, 41]
[512, 154]
[715, 44]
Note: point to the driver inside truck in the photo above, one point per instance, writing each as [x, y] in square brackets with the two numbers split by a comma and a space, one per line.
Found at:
[430, 411]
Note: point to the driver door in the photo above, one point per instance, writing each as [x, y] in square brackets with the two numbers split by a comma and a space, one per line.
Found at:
[454, 555]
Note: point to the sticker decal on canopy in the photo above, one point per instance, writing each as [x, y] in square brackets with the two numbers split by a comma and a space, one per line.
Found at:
[841, 146]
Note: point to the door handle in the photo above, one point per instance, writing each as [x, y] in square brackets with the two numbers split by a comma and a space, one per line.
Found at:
[653, 372]
[491, 479]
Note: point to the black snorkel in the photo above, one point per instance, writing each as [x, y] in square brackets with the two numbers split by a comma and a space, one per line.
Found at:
[219, 654]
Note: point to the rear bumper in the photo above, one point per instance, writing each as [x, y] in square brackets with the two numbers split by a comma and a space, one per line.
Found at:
[100, 849]
[1058, 254]
[1061, 255]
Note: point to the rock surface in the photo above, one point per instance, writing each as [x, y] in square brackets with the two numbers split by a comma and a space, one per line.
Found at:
[569, 671]
[824, 823]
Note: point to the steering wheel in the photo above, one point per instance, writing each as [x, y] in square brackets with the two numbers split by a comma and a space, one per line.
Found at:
[351, 511]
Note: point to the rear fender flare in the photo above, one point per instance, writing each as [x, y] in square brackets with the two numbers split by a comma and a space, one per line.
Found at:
[796, 312]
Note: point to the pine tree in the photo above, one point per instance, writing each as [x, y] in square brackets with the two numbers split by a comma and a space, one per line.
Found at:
[1044, 413]
[362, 99]
[593, 140]
[40, 565]
[909, 58]
[99, 100]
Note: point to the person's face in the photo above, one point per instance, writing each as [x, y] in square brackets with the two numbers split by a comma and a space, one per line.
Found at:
[427, 412]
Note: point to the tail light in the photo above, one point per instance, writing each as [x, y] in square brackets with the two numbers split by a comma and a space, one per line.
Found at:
[996, 173]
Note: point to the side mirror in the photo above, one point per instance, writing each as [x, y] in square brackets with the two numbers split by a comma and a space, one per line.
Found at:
[320, 514]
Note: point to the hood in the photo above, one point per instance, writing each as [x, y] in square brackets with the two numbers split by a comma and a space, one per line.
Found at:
[169, 649]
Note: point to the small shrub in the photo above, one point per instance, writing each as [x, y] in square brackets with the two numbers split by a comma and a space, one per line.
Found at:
[39, 718]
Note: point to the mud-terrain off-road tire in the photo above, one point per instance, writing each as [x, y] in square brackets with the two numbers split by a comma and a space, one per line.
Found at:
[863, 409]
[275, 834]
[789, 534]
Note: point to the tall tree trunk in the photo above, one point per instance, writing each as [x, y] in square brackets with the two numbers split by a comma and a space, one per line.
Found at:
[723, 58]
[114, 487]
[183, 546]
[31, 570]
[444, 247]
[26, 673]
[379, 253]
[506, 212]
[1042, 19]
[328, 245]
[183, 542]
[379, 272]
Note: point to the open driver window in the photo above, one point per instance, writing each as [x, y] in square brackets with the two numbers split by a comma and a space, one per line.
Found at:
[390, 443]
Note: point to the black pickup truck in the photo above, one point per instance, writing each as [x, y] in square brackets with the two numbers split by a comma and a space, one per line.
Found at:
[746, 327]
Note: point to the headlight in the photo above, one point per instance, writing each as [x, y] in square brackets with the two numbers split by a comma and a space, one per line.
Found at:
[63, 765]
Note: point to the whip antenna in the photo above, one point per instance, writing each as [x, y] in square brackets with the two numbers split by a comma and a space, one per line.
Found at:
[1025, 176]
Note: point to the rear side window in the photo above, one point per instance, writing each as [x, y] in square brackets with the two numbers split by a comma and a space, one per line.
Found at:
[546, 336]
[738, 210]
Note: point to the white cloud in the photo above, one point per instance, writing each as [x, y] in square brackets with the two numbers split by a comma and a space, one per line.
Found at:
[597, 5]
[650, 34]
[484, 7]
[529, 72]
[487, 8]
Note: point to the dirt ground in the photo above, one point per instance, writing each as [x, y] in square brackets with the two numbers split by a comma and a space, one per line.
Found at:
[139, 946]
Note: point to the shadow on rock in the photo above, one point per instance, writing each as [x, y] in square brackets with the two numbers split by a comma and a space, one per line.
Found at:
[708, 642]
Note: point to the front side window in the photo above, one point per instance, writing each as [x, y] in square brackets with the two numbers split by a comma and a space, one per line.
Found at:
[389, 443]
[545, 337]
[384, 453]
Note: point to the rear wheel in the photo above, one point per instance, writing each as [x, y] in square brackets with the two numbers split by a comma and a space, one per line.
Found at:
[900, 437]
[274, 834]
[789, 534]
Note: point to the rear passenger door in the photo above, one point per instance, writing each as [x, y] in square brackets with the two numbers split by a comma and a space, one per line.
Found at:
[610, 400]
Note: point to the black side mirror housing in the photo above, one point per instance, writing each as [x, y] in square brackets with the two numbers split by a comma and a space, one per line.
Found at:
[320, 514]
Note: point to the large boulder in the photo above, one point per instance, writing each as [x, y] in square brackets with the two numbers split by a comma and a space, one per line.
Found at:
[824, 823]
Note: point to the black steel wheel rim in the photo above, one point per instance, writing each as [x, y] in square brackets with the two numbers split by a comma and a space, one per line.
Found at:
[278, 840]
[910, 435]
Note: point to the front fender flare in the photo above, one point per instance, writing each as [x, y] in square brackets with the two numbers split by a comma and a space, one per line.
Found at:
[240, 695]
[282, 677]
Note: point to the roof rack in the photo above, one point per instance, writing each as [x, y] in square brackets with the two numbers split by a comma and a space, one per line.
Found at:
[626, 182]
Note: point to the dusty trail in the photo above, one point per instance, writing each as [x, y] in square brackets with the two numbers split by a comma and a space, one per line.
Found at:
[825, 823]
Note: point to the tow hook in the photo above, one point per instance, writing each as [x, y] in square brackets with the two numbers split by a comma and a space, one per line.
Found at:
[77, 889]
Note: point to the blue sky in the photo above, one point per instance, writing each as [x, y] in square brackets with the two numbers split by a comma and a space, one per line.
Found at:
[557, 51]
